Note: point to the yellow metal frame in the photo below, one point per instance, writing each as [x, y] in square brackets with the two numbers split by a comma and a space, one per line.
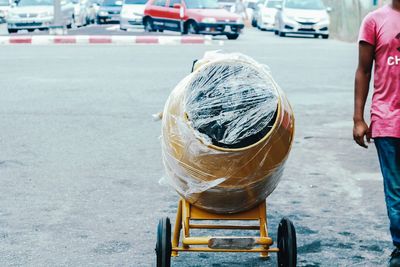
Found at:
[187, 213]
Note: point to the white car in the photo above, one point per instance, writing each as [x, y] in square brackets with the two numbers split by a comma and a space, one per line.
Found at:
[303, 17]
[81, 12]
[265, 16]
[132, 13]
[37, 14]
[4, 8]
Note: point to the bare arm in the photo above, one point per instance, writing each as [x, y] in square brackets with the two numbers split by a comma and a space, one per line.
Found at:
[361, 89]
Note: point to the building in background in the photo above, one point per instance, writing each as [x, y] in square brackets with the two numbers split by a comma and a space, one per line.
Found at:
[347, 15]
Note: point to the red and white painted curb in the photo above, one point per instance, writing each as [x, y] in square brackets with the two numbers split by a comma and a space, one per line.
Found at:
[106, 39]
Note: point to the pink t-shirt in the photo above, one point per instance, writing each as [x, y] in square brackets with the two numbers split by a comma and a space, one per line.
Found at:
[381, 28]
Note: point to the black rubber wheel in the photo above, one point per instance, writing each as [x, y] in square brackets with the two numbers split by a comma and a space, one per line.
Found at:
[192, 28]
[31, 30]
[287, 244]
[12, 31]
[99, 21]
[164, 245]
[325, 36]
[254, 22]
[282, 34]
[276, 32]
[232, 36]
[148, 25]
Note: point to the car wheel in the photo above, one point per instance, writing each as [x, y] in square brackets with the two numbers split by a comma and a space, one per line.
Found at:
[276, 32]
[325, 36]
[99, 21]
[232, 36]
[148, 25]
[253, 23]
[122, 29]
[192, 28]
[282, 34]
[12, 31]
[31, 30]
[69, 25]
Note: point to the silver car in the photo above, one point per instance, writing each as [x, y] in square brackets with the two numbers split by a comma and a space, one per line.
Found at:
[264, 14]
[37, 14]
[302, 17]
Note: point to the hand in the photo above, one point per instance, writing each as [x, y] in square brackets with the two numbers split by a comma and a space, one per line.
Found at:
[360, 130]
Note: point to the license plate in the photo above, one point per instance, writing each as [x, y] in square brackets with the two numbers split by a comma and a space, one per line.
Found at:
[307, 26]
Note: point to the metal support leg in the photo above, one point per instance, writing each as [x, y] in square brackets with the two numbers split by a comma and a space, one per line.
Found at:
[263, 226]
[177, 229]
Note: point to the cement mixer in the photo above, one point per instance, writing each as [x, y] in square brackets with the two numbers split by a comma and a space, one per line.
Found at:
[227, 130]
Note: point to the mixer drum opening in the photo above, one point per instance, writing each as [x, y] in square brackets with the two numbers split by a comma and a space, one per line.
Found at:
[229, 110]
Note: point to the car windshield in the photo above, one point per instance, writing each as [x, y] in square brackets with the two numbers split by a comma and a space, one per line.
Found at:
[35, 3]
[135, 2]
[273, 4]
[305, 4]
[112, 3]
[202, 4]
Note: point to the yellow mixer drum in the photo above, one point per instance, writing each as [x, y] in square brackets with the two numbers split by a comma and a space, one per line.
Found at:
[227, 131]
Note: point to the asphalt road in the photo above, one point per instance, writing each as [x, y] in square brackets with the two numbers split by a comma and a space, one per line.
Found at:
[80, 157]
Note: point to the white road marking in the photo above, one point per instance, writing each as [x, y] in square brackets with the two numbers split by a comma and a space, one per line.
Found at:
[112, 28]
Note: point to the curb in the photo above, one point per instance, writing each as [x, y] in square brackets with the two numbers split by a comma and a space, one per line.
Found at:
[105, 39]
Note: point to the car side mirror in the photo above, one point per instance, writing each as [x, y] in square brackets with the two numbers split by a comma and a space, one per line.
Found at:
[279, 7]
[177, 6]
[329, 9]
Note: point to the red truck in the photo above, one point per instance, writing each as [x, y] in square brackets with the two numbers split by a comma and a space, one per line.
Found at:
[191, 17]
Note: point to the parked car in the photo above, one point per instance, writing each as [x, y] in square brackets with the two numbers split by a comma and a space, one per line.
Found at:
[82, 12]
[37, 14]
[302, 17]
[109, 10]
[191, 16]
[132, 13]
[4, 7]
[264, 15]
[250, 7]
[91, 10]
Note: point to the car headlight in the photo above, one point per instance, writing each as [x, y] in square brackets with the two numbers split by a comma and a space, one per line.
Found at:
[324, 21]
[103, 13]
[209, 20]
[137, 14]
[286, 17]
[125, 13]
[12, 15]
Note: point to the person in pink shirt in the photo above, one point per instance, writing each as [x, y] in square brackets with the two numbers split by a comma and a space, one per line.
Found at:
[379, 45]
